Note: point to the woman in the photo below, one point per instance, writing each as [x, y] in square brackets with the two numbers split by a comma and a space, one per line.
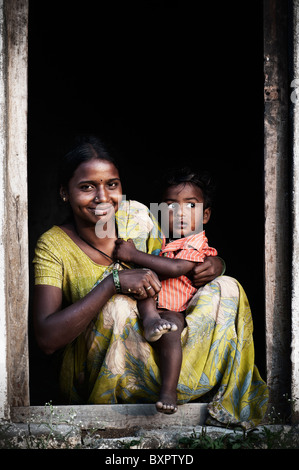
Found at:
[85, 304]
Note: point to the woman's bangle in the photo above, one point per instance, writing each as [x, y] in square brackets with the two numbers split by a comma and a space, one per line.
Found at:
[223, 264]
[116, 281]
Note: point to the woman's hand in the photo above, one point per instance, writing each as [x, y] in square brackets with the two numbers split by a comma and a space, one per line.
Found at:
[207, 271]
[142, 283]
[124, 250]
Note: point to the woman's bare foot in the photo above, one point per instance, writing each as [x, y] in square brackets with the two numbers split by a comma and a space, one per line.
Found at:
[154, 329]
[167, 403]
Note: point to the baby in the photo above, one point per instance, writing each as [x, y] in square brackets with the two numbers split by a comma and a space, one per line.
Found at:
[188, 196]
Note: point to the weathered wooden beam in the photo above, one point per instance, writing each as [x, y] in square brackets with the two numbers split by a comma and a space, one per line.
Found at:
[294, 83]
[16, 217]
[276, 169]
[3, 318]
[111, 416]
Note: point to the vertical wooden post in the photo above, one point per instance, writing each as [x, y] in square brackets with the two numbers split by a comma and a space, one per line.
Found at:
[294, 95]
[16, 217]
[276, 166]
[3, 303]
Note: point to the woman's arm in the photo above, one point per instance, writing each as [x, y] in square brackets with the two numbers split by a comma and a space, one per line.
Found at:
[56, 327]
[202, 273]
[199, 273]
[165, 267]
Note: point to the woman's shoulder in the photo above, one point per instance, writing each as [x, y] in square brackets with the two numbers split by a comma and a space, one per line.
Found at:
[53, 239]
[54, 233]
[132, 205]
[134, 215]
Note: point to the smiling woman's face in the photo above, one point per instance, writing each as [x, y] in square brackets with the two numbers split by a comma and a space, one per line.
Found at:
[94, 192]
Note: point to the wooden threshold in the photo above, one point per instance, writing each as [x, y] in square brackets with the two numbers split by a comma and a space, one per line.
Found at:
[111, 416]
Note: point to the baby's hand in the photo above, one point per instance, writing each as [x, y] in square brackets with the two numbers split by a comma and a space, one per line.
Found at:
[124, 250]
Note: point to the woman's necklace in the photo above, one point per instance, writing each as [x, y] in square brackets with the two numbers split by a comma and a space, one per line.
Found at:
[100, 251]
[95, 248]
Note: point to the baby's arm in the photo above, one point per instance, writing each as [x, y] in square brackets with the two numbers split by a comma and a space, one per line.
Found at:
[164, 267]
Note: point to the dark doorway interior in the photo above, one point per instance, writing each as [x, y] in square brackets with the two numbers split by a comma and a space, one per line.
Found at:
[164, 86]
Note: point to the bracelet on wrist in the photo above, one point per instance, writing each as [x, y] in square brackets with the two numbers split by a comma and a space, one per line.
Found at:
[116, 281]
[223, 264]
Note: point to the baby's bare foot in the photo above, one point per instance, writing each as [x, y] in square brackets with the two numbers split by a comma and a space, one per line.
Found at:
[167, 403]
[154, 329]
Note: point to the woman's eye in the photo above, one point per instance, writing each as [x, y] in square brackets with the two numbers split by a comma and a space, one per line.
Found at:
[86, 187]
[171, 205]
[191, 204]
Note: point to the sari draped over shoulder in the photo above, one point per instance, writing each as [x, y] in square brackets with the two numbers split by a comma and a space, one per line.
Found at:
[111, 362]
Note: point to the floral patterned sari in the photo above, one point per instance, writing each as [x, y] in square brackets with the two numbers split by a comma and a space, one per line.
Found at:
[111, 362]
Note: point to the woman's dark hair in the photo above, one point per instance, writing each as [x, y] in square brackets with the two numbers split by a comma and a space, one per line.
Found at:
[85, 148]
[186, 175]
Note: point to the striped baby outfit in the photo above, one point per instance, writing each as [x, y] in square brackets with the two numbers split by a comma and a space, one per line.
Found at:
[176, 293]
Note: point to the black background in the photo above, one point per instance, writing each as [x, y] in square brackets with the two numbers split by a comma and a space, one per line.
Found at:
[164, 85]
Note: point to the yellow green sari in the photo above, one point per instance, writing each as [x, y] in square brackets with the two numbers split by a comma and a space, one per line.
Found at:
[111, 362]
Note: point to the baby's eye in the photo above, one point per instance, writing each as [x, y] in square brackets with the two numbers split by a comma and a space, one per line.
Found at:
[190, 204]
[171, 205]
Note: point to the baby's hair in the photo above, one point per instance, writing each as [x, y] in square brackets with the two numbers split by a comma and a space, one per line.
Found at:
[186, 175]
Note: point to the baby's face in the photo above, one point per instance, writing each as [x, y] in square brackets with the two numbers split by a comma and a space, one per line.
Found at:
[186, 213]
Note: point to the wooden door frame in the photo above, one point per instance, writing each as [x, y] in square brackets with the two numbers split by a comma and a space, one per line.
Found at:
[281, 308]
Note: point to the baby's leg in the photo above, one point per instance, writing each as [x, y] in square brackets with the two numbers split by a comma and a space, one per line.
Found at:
[169, 351]
[154, 326]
